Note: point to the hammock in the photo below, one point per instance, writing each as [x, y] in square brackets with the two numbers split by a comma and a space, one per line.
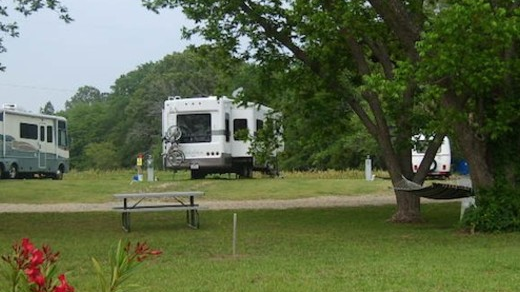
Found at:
[436, 191]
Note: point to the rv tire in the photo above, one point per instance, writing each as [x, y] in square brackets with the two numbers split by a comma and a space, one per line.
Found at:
[13, 171]
[197, 174]
[59, 173]
[246, 171]
[3, 172]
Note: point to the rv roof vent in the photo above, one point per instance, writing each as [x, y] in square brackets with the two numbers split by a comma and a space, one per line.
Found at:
[174, 97]
[9, 106]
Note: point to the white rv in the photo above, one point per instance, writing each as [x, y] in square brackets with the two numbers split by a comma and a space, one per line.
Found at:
[203, 134]
[32, 144]
[441, 166]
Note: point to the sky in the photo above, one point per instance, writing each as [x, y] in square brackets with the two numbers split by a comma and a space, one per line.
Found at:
[50, 59]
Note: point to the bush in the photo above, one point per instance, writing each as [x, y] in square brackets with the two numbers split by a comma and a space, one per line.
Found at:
[496, 210]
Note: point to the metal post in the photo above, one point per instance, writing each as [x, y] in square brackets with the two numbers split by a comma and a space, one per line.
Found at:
[150, 168]
[368, 169]
[234, 240]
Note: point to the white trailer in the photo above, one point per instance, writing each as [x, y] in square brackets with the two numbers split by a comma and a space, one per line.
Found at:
[32, 144]
[203, 134]
[441, 166]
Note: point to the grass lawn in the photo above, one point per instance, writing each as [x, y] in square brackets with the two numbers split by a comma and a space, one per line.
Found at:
[97, 187]
[333, 249]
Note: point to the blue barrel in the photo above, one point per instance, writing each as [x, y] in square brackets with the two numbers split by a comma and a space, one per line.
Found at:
[463, 167]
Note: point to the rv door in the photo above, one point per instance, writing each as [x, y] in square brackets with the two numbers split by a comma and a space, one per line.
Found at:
[41, 148]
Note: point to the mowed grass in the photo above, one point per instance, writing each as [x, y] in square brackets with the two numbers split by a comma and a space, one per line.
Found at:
[98, 187]
[332, 249]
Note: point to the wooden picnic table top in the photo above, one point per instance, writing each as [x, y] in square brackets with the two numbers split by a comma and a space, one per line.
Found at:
[159, 195]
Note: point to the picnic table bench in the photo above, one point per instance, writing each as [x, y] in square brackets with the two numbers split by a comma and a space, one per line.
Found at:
[167, 201]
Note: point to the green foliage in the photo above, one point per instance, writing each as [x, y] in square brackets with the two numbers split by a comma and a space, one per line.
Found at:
[472, 48]
[124, 263]
[101, 156]
[88, 123]
[86, 95]
[496, 210]
[267, 141]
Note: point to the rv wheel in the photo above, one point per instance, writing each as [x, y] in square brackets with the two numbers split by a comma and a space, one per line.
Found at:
[246, 172]
[3, 173]
[59, 174]
[13, 171]
[196, 174]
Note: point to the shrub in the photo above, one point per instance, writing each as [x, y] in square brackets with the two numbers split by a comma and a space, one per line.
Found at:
[496, 210]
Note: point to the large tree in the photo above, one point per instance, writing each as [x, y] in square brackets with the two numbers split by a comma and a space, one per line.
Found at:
[373, 46]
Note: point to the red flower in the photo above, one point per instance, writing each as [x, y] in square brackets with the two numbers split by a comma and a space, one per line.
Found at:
[27, 245]
[35, 276]
[64, 286]
[37, 258]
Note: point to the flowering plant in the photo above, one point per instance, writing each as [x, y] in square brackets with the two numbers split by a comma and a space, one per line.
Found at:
[34, 270]
[29, 269]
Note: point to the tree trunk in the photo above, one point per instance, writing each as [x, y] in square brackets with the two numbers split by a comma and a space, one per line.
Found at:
[475, 151]
[472, 144]
[407, 205]
[408, 208]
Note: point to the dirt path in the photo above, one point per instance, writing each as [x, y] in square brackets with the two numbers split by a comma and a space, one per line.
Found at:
[314, 202]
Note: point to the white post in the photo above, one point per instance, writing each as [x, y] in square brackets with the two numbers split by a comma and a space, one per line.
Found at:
[368, 169]
[150, 168]
[234, 240]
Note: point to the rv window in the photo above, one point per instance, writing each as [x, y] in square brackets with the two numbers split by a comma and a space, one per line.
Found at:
[422, 145]
[240, 129]
[195, 128]
[260, 124]
[42, 133]
[49, 134]
[62, 134]
[28, 131]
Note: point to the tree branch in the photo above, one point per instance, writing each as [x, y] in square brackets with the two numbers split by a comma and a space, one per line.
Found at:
[404, 25]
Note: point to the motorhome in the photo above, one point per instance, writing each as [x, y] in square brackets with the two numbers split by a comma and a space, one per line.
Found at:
[203, 134]
[32, 144]
[441, 166]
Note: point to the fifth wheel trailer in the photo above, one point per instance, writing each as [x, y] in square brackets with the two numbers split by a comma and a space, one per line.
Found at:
[441, 166]
[32, 144]
[208, 139]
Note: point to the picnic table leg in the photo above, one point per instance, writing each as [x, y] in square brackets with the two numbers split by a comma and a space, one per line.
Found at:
[125, 217]
[192, 216]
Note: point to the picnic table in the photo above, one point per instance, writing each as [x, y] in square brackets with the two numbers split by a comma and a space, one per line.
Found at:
[156, 202]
